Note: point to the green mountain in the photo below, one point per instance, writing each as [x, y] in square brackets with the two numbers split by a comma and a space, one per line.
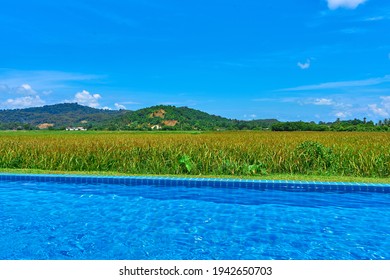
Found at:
[57, 116]
[162, 117]
[182, 118]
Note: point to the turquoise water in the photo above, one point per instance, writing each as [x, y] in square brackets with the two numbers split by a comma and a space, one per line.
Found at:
[100, 221]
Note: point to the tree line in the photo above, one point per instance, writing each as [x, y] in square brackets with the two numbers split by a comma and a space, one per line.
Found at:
[338, 125]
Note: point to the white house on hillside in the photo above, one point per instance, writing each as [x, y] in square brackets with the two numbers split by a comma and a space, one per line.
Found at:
[79, 128]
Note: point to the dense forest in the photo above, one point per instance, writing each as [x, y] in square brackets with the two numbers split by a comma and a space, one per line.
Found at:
[161, 117]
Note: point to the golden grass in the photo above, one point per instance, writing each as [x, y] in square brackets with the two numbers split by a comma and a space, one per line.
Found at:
[352, 154]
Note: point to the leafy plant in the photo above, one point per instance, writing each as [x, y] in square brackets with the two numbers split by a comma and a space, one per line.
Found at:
[255, 169]
[185, 161]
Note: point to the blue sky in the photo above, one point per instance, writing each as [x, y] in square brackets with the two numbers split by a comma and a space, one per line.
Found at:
[305, 60]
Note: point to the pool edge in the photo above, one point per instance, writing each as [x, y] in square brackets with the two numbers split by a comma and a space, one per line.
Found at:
[288, 185]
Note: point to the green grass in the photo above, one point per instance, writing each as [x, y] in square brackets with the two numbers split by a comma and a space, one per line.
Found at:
[324, 156]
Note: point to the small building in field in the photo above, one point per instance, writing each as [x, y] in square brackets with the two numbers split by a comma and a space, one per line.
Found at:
[156, 126]
[79, 128]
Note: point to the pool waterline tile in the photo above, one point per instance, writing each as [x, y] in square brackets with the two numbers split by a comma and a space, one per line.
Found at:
[203, 182]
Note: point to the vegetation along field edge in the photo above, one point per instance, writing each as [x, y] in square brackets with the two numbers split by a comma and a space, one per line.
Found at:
[287, 177]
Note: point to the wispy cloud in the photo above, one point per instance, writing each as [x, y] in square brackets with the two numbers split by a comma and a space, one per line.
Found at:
[378, 111]
[323, 101]
[353, 30]
[382, 110]
[24, 89]
[342, 84]
[342, 114]
[377, 18]
[304, 65]
[339, 105]
[130, 102]
[316, 101]
[33, 85]
[360, 108]
[43, 79]
[250, 116]
[349, 4]
[30, 97]
[23, 102]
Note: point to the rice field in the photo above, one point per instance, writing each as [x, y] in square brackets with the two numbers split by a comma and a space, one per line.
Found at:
[210, 153]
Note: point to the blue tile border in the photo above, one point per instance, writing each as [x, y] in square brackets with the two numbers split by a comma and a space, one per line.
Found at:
[284, 185]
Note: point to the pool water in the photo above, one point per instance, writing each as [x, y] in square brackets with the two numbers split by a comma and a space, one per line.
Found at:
[51, 220]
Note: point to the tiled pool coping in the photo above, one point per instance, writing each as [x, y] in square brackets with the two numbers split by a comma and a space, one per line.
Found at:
[202, 182]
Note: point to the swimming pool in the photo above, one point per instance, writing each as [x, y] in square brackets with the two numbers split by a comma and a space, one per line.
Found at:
[70, 217]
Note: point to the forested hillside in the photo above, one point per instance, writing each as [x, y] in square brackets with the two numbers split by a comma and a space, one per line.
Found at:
[160, 117]
[59, 115]
[182, 118]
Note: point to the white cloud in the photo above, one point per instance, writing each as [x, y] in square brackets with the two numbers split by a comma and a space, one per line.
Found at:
[25, 89]
[342, 114]
[375, 18]
[337, 85]
[384, 109]
[304, 65]
[386, 101]
[47, 92]
[315, 101]
[378, 111]
[250, 117]
[23, 102]
[87, 99]
[30, 97]
[349, 4]
[323, 101]
[119, 106]
[344, 107]
[43, 79]
[4, 88]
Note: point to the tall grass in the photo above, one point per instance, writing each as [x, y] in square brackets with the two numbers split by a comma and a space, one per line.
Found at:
[219, 153]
